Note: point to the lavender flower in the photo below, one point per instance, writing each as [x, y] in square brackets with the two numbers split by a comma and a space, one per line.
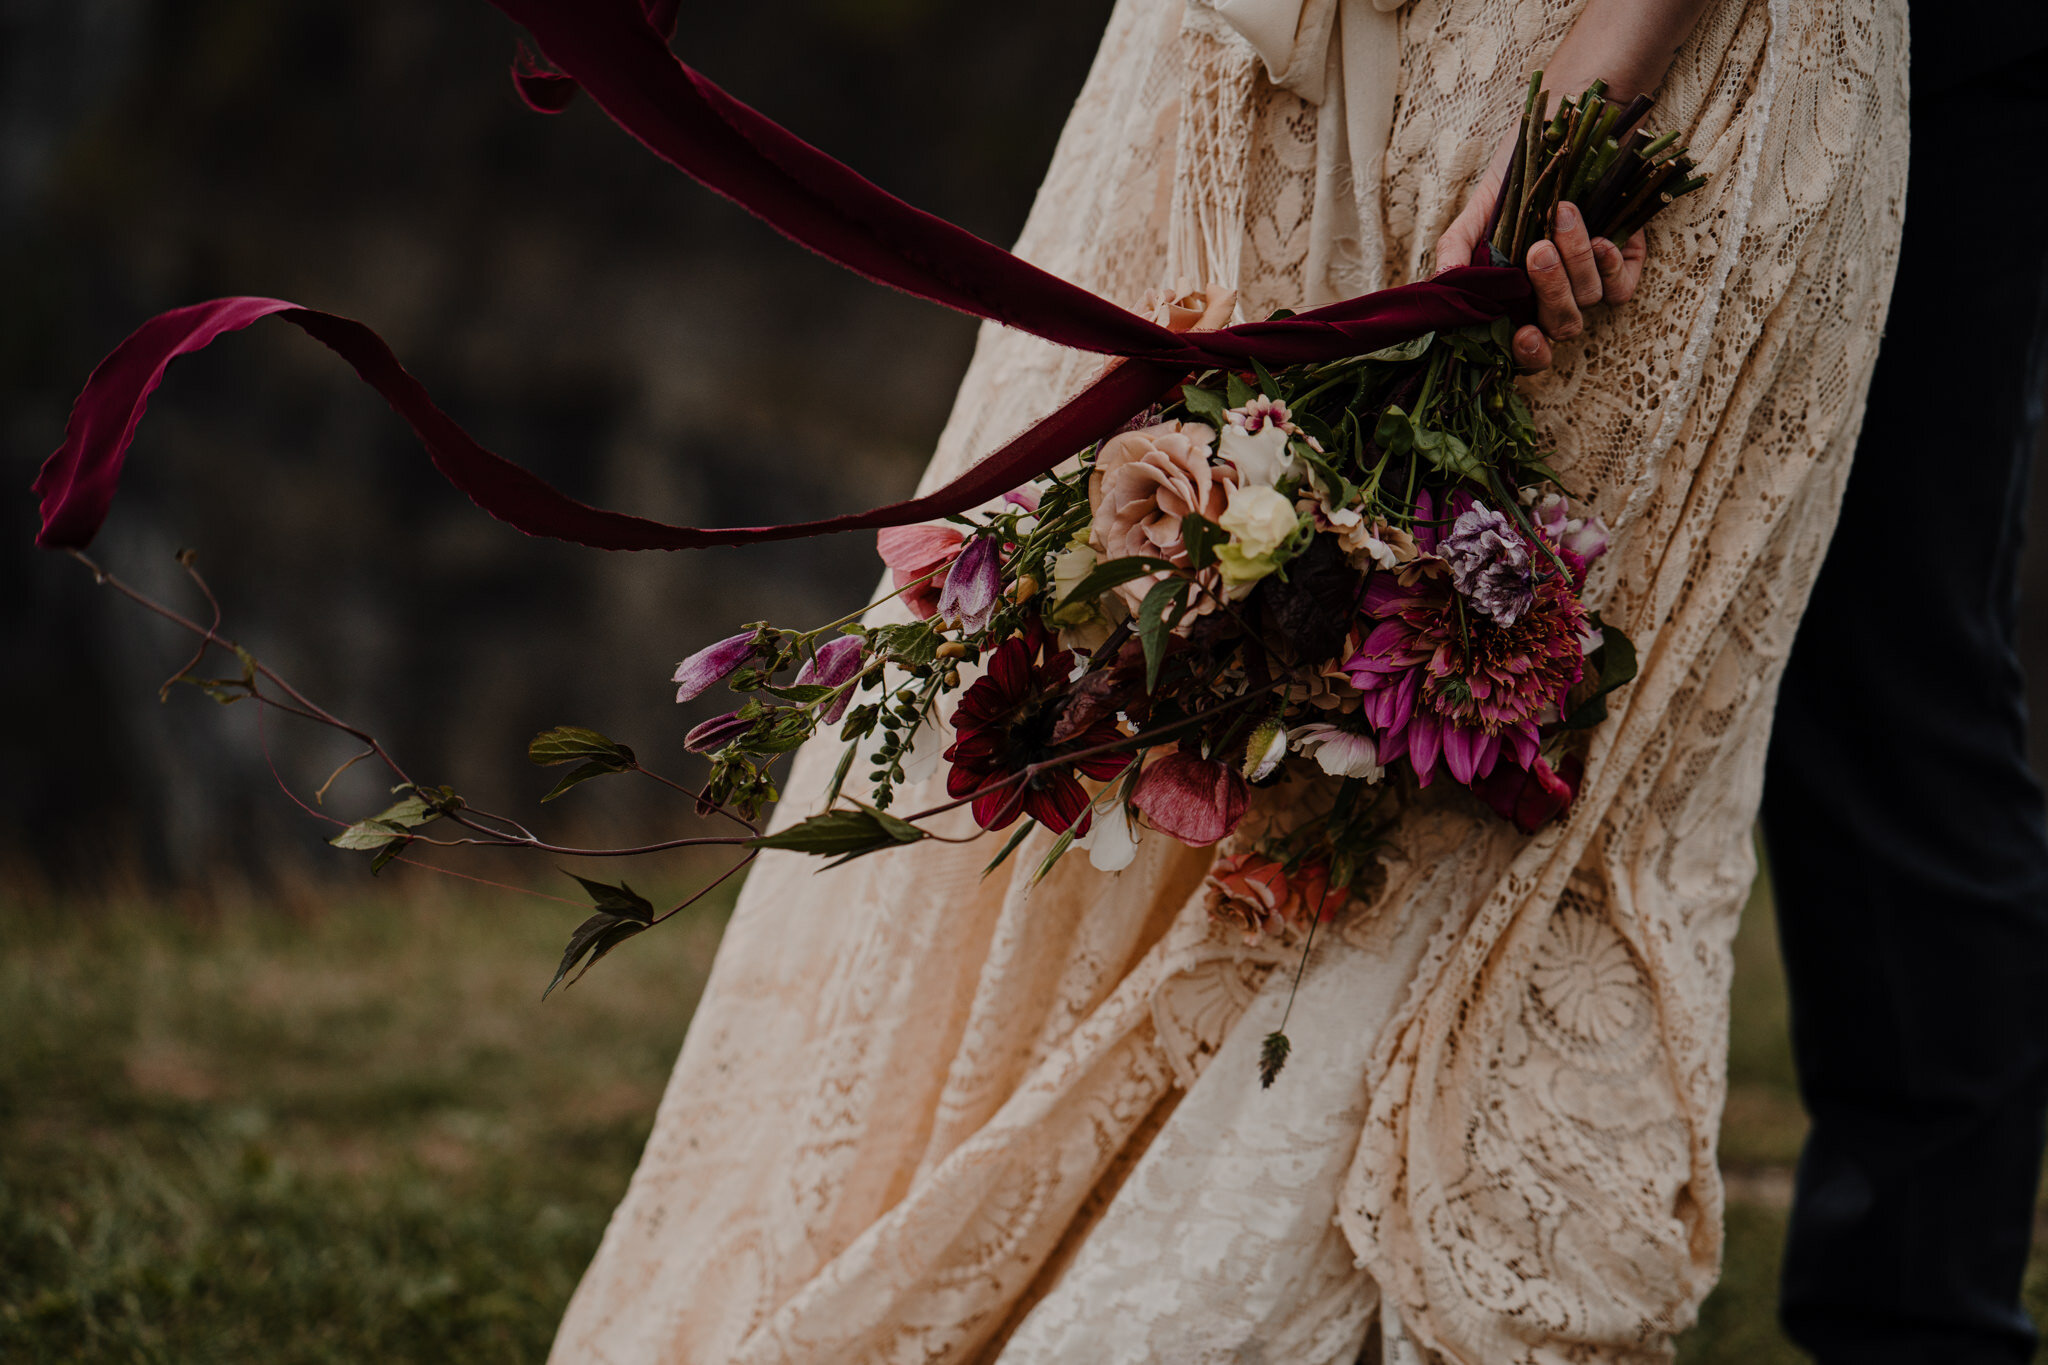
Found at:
[834, 664]
[973, 586]
[712, 664]
[1490, 564]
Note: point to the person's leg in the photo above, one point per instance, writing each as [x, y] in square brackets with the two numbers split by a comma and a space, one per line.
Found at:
[1906, 835]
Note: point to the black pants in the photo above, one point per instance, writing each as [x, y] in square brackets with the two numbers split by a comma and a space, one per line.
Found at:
[1905, 830]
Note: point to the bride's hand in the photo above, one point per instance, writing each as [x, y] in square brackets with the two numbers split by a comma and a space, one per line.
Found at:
[1569, 274]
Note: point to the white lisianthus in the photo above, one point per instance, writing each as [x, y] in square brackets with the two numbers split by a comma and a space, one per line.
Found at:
[1340, 752]
[1260, 456]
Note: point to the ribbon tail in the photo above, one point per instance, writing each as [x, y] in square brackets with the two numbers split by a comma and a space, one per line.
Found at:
[78, 481]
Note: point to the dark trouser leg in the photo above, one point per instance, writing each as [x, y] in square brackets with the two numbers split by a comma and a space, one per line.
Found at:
[1905, 831]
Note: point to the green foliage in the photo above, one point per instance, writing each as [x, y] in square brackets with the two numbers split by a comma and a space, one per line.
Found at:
[389, 831]
[621, 913]
[1155, 623]
[848, 833]
[570, 743]
[1611, 665]
[1111, 573]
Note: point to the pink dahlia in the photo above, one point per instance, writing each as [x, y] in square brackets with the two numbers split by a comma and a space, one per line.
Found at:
[1441, 679]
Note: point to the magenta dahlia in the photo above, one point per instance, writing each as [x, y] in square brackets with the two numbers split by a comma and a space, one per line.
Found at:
[1443, 678]
[1005, 726]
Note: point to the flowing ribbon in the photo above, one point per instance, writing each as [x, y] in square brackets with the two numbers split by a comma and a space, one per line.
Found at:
[616, 51]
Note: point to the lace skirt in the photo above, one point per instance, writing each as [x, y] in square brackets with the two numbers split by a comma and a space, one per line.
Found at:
[928, 1116]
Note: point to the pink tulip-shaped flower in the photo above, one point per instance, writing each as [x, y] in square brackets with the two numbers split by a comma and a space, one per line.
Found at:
[716, 733]
[834, 664]
[973, 586]
[713, 664]
[917, 557]
[1196, 800]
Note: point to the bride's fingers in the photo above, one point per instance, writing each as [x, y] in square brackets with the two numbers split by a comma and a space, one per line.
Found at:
[1620, 270]
[1576, 250]
[1557, 312]
[1532, 350]
[1454, 248]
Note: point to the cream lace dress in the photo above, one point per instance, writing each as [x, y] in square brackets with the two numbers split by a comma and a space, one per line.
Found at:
[925, 1116]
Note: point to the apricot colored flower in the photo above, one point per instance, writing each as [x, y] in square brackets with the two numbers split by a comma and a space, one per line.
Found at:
[1144, 483]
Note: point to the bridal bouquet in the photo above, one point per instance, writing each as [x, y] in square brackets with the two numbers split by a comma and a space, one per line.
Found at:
[1360, 571]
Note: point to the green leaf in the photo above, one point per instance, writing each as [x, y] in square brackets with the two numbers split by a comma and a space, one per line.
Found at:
[1406, 350]
[1152, 624]
[911, 645]
[1024, 827]
[570, 743]
[839, 773]
[1201, 536]
[1615, 664]
[366, 835]
[583, 773]
[1108, 575]
[1394, 432]
[1205, 404]
[804, 694]
[1267, 384]
[1237, 391]
[596, 936]
[900, 829]
[621, 900]
[1053, 855]
[1449, 454]
[395, 821]
[862, 830]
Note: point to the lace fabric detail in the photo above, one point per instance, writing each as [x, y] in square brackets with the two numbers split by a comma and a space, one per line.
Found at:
[923, 1116]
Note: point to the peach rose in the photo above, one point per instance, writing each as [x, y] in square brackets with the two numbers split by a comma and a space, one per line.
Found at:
[1257, 895]
[1144, 483]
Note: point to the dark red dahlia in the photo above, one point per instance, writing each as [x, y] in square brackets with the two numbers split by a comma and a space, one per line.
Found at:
[1005, 725]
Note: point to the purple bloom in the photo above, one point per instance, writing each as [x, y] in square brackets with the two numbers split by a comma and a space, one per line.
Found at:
[1587, 539]
[834, 664]
[716, 733]
[712, 664]
[973, 586]
[1490, 564]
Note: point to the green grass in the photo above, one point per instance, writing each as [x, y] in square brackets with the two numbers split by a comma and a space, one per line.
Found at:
[357, 1135]
[352, 1136]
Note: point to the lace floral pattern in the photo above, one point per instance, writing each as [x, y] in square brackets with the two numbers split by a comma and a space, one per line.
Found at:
[926, 1117]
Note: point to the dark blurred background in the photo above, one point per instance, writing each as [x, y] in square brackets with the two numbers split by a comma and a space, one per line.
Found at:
[579, 306]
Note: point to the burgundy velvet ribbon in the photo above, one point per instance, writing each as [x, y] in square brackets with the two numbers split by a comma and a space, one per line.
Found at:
[615, 51]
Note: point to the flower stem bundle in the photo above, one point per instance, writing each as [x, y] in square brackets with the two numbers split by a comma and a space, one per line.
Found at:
[1595, 153]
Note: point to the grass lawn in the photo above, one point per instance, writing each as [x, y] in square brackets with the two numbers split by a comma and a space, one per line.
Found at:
[356, 1134]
